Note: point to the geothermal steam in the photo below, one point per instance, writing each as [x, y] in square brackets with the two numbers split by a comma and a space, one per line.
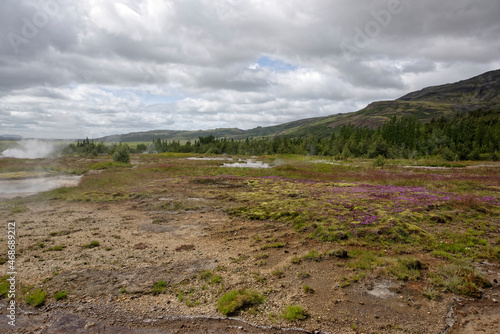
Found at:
[31, 149]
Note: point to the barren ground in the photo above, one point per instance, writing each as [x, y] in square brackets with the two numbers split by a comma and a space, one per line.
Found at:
[181, 232]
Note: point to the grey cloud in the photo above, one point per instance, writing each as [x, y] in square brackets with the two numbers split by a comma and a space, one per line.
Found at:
[93, 62]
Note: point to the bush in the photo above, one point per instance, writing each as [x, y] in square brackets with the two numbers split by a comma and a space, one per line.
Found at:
[236, 300]
[379, 162]
[122, 154]
[294, 313]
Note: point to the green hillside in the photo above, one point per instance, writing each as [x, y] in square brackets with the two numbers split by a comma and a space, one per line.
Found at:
[480, 92]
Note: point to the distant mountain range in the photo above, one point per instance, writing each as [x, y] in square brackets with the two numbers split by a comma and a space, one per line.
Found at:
[10, 137]
[480, 92]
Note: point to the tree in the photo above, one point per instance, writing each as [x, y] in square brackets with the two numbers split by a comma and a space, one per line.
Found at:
[122, 154]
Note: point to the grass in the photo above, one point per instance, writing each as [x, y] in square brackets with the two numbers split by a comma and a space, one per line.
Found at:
[278, 272]
[461, 279]
[18, 209]
[206, 274]
[239, 259]
[4, 285]
[406, 269]
[312, 255]
[184, 248]
[92, 244]
[57, 248]
[430, 293]
[216, 279]
[209, 277]
[307, 289]
[273, 245]
[261, 256]
[233, 302]
[351, 279]
[340, 253]
[294, 313]
[365, 260]
[159, 287]
[36, 298]
[61, 295]
[303, 274]
[108, 165]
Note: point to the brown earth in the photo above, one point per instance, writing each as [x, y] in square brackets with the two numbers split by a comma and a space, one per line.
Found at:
[140, 243]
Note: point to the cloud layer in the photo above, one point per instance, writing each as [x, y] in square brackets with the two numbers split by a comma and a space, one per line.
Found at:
[98, 67]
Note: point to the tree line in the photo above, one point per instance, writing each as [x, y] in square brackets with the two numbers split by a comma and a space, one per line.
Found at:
[471, 136]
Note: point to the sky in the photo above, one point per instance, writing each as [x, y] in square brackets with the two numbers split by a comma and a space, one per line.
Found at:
[90, 68]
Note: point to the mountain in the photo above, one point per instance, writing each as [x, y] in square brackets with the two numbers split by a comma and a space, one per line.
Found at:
[480, 92]
[10, 137]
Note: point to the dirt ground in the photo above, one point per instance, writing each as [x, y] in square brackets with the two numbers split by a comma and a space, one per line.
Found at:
[109, 286]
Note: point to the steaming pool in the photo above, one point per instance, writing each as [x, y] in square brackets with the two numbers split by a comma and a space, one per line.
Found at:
[11, 187]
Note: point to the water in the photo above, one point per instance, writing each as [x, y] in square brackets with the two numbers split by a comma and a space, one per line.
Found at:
[10, 188]
[250, 163]
[210, 159]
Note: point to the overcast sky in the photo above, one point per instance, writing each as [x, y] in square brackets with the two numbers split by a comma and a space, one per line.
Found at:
[71, 69]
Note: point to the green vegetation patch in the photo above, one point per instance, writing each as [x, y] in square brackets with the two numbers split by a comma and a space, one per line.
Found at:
[406, 269]
[235, 301]
[159, 287]
[61, 295]
[4, 285]
[294, 313]
[92, 244]
[273, 245]
[462, 279]
[312, 255]
[18, 209]
[36, 298]
[372, 214]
